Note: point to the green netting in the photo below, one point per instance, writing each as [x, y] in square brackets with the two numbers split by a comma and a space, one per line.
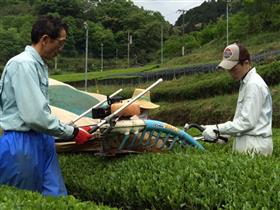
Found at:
[70, 99]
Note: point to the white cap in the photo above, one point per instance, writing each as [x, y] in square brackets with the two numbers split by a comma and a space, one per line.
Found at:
[230, 57]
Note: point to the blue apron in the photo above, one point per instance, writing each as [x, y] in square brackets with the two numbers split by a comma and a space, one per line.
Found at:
[28, 161]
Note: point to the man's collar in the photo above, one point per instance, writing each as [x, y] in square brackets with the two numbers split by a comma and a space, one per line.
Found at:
[246, 77]
[35, 54]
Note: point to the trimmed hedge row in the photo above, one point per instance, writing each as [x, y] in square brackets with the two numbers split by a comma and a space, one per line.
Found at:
[209, 85]
[181, 179]
[12, 198]
[209, 111]
[206, 85]
[202, 111]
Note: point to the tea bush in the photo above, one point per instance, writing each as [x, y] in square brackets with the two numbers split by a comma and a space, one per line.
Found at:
[181, 179]
[208, 85]
[197, 86]
[213, 110]
[12, 198]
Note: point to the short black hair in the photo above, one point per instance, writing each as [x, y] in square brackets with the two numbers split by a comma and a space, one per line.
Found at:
[47, 25]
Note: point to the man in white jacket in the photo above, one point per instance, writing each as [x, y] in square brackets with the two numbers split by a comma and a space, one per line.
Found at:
[252, 122]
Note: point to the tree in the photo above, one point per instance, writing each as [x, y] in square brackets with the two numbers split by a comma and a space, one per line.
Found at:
[62, 7]
[10, 44]
[197, 18]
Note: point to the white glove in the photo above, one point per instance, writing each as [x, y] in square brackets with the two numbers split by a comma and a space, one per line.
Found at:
[186, 126]
[209, 133]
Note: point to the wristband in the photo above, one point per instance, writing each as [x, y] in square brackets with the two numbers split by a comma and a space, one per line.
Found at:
[217, 131]
[75, 132]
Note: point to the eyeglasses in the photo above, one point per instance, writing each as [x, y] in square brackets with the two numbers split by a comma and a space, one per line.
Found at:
[60, 41]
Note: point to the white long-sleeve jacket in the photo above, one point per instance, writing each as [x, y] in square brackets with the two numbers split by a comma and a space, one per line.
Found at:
[252, 123]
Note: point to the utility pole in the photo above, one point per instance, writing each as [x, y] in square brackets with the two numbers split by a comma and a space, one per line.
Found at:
[55, 63]
[182, 11]
[129, 42]
[86, 59]
[228, 1]
[161, 44]
[101, 68]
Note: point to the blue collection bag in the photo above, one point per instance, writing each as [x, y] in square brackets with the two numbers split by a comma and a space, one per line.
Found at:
[28, 161]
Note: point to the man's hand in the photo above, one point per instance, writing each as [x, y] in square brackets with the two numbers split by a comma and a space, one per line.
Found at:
[186, 126]
[209, 133]
[81, 135]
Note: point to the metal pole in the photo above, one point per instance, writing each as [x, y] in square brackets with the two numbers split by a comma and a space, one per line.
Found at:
[86, 59]
[227, 20]
[55, 63]
[183, 29]
[128, 49]
[101, 69]
[183, 48]
[184, 22]
[161, 44]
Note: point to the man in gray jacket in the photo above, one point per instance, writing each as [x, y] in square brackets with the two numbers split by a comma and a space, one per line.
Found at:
[252, 122]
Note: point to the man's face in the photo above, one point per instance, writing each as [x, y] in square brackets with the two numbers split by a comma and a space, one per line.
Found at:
[239, 70]
[54, 46]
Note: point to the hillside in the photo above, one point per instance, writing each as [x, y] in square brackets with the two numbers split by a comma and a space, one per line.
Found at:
[266, 45]
[110, 22]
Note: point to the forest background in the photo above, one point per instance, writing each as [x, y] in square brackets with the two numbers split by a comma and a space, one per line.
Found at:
[110, 22]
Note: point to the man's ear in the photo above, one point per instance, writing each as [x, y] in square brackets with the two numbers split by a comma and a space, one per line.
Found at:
[44, 39]
[247, 62]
